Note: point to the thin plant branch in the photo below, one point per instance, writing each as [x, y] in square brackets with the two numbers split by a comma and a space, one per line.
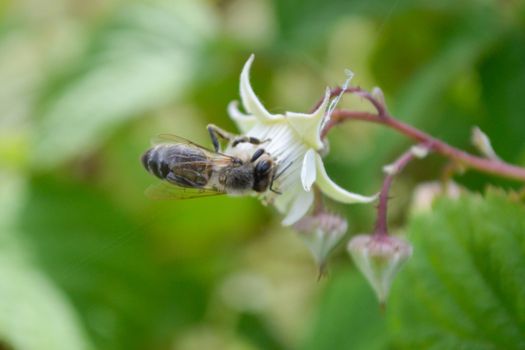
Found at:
[491, 166]
[381, 228]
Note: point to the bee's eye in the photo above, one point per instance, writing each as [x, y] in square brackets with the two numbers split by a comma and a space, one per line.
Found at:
[263, 167]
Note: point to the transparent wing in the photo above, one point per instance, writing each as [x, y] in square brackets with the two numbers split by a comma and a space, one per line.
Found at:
[164, 190]
[170, 139]
[218, 158]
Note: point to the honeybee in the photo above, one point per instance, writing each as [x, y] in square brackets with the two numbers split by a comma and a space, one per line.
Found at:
[189, 170]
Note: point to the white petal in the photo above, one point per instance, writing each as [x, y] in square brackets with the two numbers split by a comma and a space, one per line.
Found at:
[332, 190]
[299, 207]
[308, 171]
[283, 201]
[308, 126]
[249, 100]
[243, 121]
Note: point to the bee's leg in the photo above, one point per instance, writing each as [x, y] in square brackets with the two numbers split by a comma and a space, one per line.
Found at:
[271, 185]
[278, 175]
[248, 139]
[257, 154]
[215, 133]
[273, 189]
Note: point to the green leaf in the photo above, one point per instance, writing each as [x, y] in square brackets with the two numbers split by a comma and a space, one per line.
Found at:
[142, 59]
[349, 316]
[34, 313]
[463, 289]
[104, 263]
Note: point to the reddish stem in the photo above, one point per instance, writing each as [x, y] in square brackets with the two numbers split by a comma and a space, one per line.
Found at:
[381, 228]
[491, 166]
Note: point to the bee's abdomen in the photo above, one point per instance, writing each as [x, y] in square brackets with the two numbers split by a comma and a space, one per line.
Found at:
[181, 165]
[154, 163]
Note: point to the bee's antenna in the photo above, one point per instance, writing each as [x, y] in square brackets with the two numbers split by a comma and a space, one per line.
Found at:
[277, 175]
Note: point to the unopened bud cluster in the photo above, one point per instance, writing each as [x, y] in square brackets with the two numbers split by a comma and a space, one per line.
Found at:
[321, 232]
[379, 258]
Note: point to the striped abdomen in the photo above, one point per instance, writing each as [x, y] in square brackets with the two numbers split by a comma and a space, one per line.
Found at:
[179, 164]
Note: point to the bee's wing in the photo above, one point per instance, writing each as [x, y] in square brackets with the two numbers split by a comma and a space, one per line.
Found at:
[170, 139]
[164, 190]
[216, 157]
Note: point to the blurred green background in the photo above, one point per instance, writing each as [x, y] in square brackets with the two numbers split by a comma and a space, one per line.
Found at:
[87, 262]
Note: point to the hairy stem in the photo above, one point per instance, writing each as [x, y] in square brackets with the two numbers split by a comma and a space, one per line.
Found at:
[490, 166]
[381, 227]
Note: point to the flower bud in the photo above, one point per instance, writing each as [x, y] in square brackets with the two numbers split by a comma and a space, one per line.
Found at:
[482, 142]
[379, 258]
[377, 93]
[426, 193]
[321, 232]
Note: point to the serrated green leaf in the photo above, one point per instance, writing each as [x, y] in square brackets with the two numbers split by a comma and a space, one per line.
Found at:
[463, 289]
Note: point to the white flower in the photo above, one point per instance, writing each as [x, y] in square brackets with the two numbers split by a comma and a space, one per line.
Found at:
[295, 144]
